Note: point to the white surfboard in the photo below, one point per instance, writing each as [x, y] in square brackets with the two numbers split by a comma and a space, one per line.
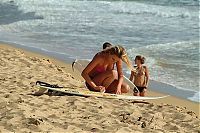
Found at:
[86, 92]
[80, 64]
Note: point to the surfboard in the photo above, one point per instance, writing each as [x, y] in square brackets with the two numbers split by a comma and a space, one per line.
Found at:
[85, 92]
[80, 64]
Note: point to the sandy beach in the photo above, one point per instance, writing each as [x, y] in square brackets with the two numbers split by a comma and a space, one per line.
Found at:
[22, 112]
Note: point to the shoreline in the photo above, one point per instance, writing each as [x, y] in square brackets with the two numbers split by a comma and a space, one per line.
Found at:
[191, 105]
[21, 111]
[156, 86]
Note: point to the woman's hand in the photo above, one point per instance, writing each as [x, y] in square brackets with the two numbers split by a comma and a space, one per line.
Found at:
[100, 88]
[119, 91]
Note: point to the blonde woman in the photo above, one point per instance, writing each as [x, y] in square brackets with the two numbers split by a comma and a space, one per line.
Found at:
[99, 73]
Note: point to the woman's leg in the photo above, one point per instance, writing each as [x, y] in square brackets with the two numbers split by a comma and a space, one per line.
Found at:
[109, 80]
[125, 87]
[113, 87]
[105, 79]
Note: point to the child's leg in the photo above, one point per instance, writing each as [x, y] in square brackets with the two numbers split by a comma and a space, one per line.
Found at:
[143, 92]
[136, 94]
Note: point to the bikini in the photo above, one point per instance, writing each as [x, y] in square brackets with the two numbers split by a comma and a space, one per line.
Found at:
[100, 69]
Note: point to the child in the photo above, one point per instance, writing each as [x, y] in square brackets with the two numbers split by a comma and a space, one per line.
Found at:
[107, 45]
[140, 77]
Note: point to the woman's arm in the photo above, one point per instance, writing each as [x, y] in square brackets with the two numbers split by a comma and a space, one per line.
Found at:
[85, 74]
[147, 76]
[120, 76]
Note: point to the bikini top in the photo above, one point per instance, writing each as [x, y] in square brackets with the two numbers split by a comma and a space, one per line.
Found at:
[100, 69]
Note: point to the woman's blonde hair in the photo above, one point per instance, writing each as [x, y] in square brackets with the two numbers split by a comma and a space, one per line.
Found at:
[121, 53]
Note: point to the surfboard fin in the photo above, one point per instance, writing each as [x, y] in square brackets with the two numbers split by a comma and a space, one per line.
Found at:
[73, 63]
[41, 83]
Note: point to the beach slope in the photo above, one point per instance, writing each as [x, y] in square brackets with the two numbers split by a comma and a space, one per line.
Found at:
[22, 112]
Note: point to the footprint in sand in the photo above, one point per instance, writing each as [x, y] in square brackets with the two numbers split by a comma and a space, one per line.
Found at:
[32, 124]
[170, 127]
[25, 62]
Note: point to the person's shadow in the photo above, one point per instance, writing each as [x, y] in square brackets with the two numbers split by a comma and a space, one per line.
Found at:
[10, 13]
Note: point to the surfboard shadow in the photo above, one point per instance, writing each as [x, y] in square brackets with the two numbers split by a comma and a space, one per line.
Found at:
[54, 94]
[144, 102]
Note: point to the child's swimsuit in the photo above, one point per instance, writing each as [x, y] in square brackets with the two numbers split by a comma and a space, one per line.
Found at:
[141, 89]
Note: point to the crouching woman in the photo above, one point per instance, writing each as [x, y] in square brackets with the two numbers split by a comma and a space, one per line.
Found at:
[99, 74]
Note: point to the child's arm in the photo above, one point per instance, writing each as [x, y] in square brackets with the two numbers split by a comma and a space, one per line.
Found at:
[147, 76]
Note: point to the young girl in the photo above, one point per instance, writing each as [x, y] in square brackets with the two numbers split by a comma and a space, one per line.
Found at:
[140, 77]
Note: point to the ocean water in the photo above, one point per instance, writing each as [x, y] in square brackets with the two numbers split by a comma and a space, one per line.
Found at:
[166, 32]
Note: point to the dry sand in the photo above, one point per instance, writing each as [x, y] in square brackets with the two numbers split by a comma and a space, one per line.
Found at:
[22, 112]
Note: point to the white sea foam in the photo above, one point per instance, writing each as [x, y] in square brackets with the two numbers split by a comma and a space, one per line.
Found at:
[196, 97]
[156, 10]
